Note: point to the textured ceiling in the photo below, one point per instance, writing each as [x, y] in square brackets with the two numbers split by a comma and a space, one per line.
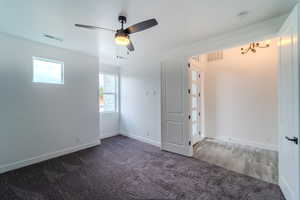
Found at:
[180, 22]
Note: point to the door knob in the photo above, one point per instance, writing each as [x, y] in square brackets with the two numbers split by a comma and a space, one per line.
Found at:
[294, 139]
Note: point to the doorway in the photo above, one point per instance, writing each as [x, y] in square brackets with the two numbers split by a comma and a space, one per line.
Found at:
[175, 86]
[240, 101]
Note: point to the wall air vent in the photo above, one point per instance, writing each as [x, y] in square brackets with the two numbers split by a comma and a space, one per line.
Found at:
[53, 37]
[211, 57]
[196, 59]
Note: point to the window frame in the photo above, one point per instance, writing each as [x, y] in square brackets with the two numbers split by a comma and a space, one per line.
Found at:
[116, 93]
[62, 82]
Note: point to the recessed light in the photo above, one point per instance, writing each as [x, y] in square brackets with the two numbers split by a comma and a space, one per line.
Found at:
[53, 37]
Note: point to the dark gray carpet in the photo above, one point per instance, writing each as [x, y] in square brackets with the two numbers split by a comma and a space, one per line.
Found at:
[123, 168]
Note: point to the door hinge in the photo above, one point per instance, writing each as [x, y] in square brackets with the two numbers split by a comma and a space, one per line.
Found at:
[189, 117]
[190, 143]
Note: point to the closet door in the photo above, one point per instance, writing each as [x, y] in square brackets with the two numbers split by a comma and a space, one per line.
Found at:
[176, 136]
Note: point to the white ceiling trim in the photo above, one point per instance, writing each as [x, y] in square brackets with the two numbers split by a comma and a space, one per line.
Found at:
[256, 32]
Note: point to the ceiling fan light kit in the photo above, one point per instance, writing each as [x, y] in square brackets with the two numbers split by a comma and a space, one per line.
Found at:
[122, 38]
[122, 35]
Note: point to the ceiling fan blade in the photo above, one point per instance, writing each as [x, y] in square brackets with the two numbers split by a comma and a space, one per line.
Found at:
[93, 27]
[130, 46]
[141, 26]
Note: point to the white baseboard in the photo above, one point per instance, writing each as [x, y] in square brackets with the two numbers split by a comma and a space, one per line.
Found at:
[142, 139]
[249, 143]
[47, 156]
[107, 135]
[286, 190]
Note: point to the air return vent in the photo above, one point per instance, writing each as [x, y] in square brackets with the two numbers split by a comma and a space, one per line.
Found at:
[211, 57]
[196, 59]
[53, 37]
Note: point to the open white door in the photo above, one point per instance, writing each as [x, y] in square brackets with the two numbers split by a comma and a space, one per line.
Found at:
[176, 136]
[288, 75]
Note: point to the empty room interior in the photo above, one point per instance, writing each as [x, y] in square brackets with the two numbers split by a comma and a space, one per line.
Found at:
[135, 99]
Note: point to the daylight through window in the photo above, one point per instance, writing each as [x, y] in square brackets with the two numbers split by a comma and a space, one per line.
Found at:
[48, 71]
[108, 93]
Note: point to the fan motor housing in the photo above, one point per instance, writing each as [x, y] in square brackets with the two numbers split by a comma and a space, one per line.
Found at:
[122, 19]
[121, 33]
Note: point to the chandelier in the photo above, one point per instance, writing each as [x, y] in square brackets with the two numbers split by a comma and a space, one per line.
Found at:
[253, 47]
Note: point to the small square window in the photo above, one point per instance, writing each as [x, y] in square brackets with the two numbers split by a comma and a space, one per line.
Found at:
[48, 71]
[194, 102]
[194, 116]
[194, 76]
[195, 129]
[194, 89]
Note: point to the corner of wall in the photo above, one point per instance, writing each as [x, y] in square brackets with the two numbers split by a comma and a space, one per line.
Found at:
[140, 138]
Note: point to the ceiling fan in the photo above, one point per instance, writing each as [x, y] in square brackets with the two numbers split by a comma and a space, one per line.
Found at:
[122, 35]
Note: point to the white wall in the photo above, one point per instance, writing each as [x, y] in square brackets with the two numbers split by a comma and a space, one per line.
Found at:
[109, 122]
[140, 101]
[142, 75]
[241, 97]
[40, 121]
